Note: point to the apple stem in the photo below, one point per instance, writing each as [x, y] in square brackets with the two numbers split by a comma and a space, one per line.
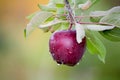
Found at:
[70, 27]
[71, 17]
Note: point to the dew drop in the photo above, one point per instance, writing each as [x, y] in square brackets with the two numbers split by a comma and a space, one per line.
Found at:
[72, 47]
[58, 64]
[67, 48]
[70, 52]
[53, 48]
[62, 62]
[53, 54]
[78, 63]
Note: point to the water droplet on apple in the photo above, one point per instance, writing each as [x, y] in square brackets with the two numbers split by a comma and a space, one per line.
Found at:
[70, 52]
[53, 54]
[58, 64]
[78, 63]
[53, 48]
[67, 49]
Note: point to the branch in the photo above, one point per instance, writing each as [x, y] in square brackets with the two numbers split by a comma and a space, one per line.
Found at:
[66, 1]
[70, 13]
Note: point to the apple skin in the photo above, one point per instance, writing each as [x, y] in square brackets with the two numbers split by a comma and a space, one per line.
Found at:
[64, 48]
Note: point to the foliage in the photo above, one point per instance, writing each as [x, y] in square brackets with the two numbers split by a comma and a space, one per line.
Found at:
[57, 16]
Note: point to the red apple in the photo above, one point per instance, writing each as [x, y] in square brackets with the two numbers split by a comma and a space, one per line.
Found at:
[64, 47]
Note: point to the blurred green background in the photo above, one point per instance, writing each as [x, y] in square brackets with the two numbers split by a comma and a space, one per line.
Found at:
[29, 59]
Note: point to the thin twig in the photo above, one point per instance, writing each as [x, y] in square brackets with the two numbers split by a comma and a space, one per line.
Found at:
[95, 23]
[71, 17]
[85, 16]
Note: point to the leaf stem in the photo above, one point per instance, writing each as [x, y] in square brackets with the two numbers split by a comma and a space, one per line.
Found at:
[95, 23]
[75, 16]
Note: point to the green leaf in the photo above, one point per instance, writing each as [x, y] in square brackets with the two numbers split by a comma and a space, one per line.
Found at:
[114, 10]
[95, 46]
[104, 13]
[56, 1]
[47, 8]
[55, 27]
[113, 18]
[95, 19]
[94, 27]
[58, 5]
[31, 16]
[112, 35]
[52, 25]
[64, 26]
[80, 33]
[60, 26]
[61, 17]
[60, 11]
[97, 15]
[25, 33]
[49, 19]
[86, 5]
[94, 2]
[38, 19]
